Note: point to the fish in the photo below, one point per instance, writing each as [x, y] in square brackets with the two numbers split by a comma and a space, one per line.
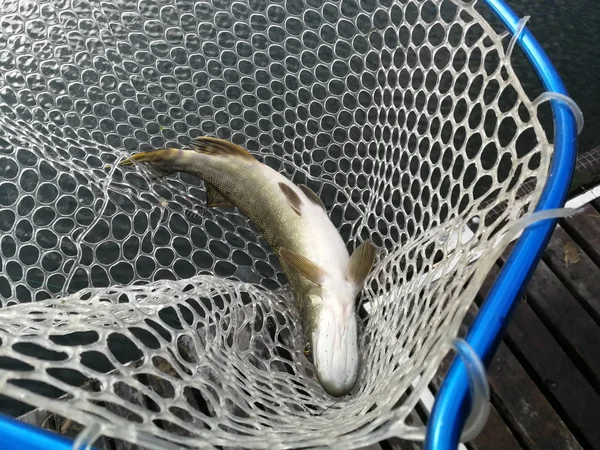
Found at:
[324, 279]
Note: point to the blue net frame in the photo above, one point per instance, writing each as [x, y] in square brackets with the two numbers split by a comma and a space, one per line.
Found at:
[452, 403]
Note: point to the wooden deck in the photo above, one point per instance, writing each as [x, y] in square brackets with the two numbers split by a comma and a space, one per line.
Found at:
[545, 376]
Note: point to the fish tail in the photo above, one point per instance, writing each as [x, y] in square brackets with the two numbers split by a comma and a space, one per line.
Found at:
[165, 162]
[153, 157]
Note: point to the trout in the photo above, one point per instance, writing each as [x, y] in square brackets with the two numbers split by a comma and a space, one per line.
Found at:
[324, 279]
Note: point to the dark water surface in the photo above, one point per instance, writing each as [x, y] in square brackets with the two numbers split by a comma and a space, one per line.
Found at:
[569, 32]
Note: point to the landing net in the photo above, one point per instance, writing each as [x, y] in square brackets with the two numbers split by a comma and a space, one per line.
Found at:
[130, 308]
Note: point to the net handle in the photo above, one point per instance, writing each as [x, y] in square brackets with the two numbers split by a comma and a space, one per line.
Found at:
[448, 415]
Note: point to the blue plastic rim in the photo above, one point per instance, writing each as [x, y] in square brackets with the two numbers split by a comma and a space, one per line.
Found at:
[452, 403]
[15, 435]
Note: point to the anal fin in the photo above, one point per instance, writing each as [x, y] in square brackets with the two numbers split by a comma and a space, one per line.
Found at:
[214, 198]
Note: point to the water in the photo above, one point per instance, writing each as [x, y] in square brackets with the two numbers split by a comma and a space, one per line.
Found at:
[568, 32]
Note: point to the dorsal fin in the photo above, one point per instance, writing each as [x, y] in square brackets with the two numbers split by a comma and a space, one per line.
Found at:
[361, 262]
[215, 146]
[311, 195]
[214, 198]
[293, 199]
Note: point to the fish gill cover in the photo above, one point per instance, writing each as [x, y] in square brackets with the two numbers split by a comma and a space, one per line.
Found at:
[128, 305]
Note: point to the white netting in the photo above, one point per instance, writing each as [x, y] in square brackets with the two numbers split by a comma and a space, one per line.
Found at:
[404, 116]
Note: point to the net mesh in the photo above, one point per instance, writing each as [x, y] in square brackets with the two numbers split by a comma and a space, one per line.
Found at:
[128, 304]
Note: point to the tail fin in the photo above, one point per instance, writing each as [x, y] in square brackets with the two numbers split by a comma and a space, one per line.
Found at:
[153, 156]
[162, 162]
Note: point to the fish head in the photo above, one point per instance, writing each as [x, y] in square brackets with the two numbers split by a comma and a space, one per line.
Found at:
[334, 342]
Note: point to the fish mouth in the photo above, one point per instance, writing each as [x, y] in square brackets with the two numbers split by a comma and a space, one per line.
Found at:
[335, 349]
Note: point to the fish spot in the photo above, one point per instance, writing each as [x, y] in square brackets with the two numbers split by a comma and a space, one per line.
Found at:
[294, 200]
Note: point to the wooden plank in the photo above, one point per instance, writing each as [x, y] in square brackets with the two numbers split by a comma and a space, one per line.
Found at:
[395, 443]
[400, 444]
[583, 228]
[50, 421]
[563, 385]
[567, 320]
[575, 270]
[67, 427]
[162, 387]
[496, 435]
[413, 419]
[524, 407]
[70, 428]
[39, 418]
[126, 393]
[165, 389]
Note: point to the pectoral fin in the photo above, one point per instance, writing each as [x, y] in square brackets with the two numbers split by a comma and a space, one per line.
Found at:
[214, 198]
[294, 201]
[305, 267]
[361, 262]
